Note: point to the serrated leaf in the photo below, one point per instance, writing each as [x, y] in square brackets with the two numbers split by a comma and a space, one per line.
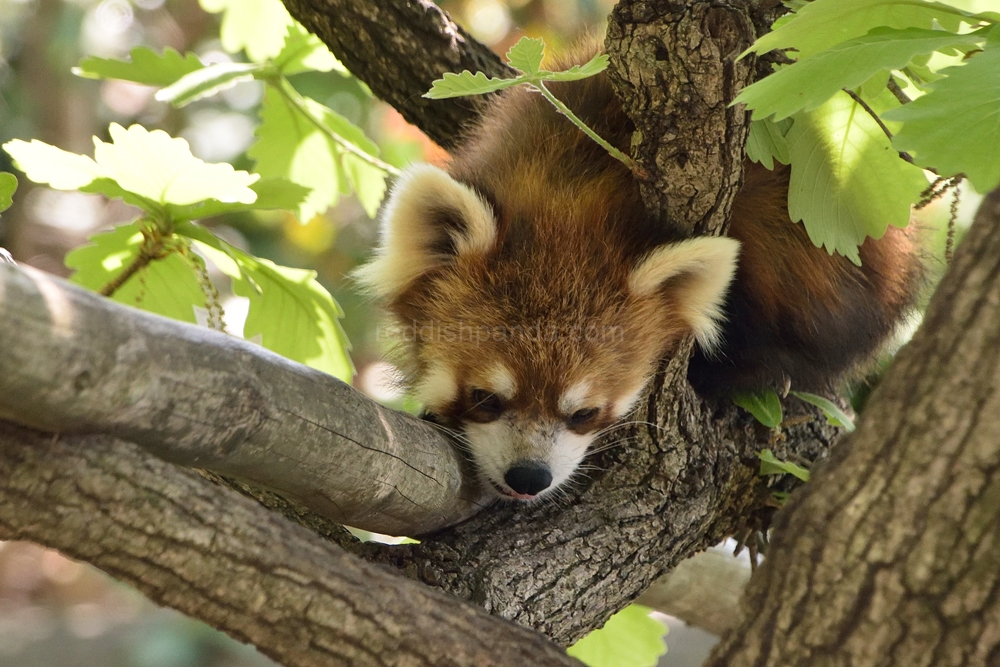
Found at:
[769, 465]
[52, 166]
[206, 82]
[272, 193]
[831, 410]
[816, 78]
[766, 142]
[526, 55]
[955, 128]
[290, 145]
[146, 67]
[303, 52]
[823, 23]
[8, 184]
[765, 406]
[595, 65]
[166, 286]
[259, 26]
[162, 168]
[467, 83]
[630, 638]
[847, 181]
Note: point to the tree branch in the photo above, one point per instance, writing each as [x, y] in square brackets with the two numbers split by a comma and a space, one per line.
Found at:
[398, 47]
[215, 555]
[74, 362]
[897, 538]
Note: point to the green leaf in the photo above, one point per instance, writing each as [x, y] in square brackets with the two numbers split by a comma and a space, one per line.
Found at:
[630, 638]
[467, 83]
[166, 286]
[765, 406]
[304, 52]
[766, 142]
[272, 193]
[8, 184]
[816, 78]
[290, 145]
[206, 82]
[847, 182]
[162, 168]
[823, 23]
[154, 167]
[367, 181]
[595, 65]
[527, 55]
[52, 166]
[259, 26]
[955, 128]
[291, 312]
[147, 67]
[772, 466]
[833, 413]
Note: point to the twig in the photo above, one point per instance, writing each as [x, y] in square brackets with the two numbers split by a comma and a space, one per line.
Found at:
[150, 250]
[871, 112]
[897, 91]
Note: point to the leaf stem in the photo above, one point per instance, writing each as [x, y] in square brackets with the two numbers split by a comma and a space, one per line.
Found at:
[296, 101]
[565, 110]
[151, 249]
[875, 117]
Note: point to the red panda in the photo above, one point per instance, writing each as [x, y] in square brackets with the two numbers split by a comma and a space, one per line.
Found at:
[532, 296]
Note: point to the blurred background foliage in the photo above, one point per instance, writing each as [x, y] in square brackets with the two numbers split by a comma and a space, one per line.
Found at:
[54, 612]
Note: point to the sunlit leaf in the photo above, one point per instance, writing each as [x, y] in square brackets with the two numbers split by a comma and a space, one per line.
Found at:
[146, 67]
[847, 181]
[259, 26]
[206, 82]
[769, 465]
[595, 65]
[815, 79]
[955, 128]
[526, 55]
[52, 166]
[8, 184]
[630, 638]
[304, 51]
[467, 83]
[765, 406]
[823, 23]
[367, 182]
[272, 193]
[166, 286]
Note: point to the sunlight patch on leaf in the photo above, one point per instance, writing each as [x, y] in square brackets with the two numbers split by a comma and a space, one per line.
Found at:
[259, 26]
[630, 638]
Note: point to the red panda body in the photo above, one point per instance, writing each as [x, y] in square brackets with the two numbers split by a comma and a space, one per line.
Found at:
[534, 296]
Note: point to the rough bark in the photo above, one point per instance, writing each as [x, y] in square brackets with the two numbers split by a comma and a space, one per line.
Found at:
[889, 556]
[74, 362]
[398, 47]
[214, 555]
[674, 67]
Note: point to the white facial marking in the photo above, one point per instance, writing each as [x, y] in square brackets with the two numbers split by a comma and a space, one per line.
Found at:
[438, 387]
[575, 398]
[567, 454]
[624, 405]
[500, 381]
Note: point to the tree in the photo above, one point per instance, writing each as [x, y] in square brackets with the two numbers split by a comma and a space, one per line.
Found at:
[73, 368]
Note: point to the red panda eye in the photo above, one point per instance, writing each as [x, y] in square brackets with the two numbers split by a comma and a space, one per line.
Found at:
[485, 406]
[581, 417]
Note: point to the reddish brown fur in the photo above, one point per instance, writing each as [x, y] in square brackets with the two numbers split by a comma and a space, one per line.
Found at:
[571, 227]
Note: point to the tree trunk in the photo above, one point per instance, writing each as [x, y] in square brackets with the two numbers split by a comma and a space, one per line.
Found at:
[889, 556]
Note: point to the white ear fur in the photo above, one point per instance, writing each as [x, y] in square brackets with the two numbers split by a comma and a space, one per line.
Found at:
[409, 233]
[708, 263]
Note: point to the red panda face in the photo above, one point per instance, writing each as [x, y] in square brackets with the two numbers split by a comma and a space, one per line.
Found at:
[534, 319]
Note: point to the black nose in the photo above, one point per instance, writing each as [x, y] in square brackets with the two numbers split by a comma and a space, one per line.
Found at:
[528, 478]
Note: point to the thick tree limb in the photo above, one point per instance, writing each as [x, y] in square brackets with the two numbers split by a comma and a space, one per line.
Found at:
[398, 47]
[889, 556]
[214, 555]
[73, 362]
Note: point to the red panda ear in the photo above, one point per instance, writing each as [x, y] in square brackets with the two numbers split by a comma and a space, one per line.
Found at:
[698, 271]
[429, 219]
